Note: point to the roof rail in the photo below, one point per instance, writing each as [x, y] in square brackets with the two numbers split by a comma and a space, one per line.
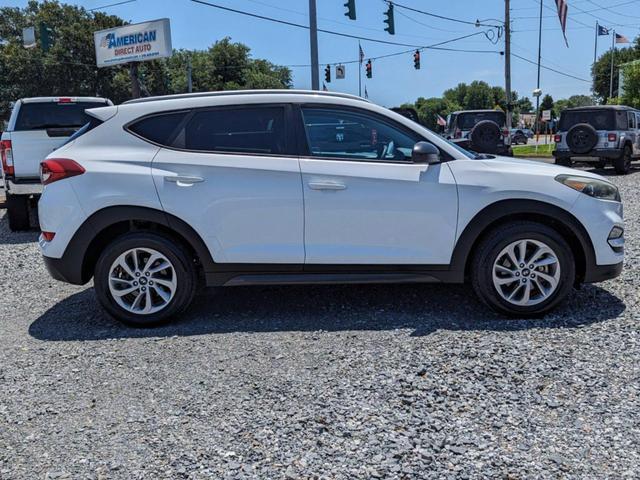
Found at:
[244, 92]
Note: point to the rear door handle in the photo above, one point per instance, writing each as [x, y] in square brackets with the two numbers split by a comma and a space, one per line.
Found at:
[183, 180]
[327, 186]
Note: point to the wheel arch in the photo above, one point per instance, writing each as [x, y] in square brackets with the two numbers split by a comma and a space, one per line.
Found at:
[108, 223]
[506, 211]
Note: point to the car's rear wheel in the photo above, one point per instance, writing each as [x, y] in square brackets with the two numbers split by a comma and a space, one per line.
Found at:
[622, 164]
[143, 279]
[18, 212]
[523, 269]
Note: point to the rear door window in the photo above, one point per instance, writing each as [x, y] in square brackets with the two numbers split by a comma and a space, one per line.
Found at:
[247, 130]
[598, 119]
[40, 116]
[160, 129]
[466, 121]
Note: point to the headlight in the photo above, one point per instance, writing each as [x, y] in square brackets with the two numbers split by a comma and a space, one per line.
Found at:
[590, 186]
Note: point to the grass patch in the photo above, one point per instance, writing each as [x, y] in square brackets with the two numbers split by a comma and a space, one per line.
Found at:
[544, 151]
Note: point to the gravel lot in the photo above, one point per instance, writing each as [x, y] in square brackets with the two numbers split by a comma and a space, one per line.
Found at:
[403, 381]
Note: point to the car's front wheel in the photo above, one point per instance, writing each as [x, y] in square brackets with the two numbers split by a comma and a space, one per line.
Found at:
[143, 279]
[523, 269]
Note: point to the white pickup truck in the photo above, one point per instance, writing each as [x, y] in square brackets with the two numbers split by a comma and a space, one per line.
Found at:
[37, 126]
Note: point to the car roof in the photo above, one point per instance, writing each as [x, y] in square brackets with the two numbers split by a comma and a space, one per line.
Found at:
[244, 93]
[476, 111]
[599, 107]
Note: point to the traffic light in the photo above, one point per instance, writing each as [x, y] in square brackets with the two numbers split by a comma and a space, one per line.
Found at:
[45, 36]
[416, 60]
[327, 74]
[389, 20]
[369, 69]
[351, 9]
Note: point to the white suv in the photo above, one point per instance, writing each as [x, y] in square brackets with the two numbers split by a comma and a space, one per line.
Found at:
[159, 196]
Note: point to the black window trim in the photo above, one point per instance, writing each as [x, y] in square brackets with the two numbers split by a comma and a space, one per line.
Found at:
[305, 152]
[291, 150]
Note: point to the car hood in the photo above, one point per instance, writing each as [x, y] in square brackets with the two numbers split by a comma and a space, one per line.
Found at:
[520, 165]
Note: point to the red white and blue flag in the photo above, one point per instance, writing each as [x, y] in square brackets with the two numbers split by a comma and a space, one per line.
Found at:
[562, 15]
[441, 121]
[361, 53]
[621, 39]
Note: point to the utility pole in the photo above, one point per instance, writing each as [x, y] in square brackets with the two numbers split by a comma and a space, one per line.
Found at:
[135, 82]
[313, 40]
[613, 51]
[189, 78]
[507, 60]
[538, 82]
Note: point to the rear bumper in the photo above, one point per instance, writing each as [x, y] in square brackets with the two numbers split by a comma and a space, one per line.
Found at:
[24, 187]
[65, 269]
[609, 153]
[600, 273]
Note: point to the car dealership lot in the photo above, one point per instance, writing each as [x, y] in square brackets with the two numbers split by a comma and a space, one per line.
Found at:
[388, 381]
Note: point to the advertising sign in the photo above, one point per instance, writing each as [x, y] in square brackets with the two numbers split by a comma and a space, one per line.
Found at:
[133, 43]
[29, 37]
[546, 115]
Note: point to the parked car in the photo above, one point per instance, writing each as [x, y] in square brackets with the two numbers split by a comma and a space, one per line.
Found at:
[157, 196]
[520, 136]
[37, 126]
[482, 131]
[601, 134]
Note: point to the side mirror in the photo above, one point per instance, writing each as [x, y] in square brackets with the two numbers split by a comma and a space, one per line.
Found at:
[425, 152]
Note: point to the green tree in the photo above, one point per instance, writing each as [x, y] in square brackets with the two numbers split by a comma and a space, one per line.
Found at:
[631, 92]
[524, 105]
[601, 70]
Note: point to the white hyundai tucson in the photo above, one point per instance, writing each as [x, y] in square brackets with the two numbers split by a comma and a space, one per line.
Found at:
[159, 196]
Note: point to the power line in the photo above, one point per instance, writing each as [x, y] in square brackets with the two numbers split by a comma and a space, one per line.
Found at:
[549, 68]
[110, 5]
[442, 17]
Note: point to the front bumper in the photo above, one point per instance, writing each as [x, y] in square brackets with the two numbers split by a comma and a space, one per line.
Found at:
[600, 273]
[609, 153]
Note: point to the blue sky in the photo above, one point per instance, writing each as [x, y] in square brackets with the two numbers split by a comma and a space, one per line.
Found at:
[394, 79]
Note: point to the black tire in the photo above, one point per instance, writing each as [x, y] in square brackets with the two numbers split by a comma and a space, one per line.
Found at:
[487, 254]
[485, 137]
[179, 258]
[622, 164]
[581, 138]
[564, 161]
[602, 163]
[18, 212]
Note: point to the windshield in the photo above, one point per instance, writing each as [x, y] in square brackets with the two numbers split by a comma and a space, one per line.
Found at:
[598, 119]
[466, 121]
[38, 116]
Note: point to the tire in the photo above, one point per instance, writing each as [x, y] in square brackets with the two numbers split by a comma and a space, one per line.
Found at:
[489, 262]
[622, 164]
[602, 164]
[485, 137]
[564, 161]
[165, 302]
[581, 138]
[18, 212]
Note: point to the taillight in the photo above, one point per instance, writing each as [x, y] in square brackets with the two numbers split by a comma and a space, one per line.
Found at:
[612, 137]
[7, 157]
[457, 133]
[56, 169]
[505, 133]
[65, 100]
[48, 236]
[557, 138]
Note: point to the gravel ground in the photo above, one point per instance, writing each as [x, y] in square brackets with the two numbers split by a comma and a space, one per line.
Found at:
[402, 381]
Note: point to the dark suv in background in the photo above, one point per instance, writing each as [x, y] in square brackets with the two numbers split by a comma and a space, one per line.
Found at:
[483, 131]
[601, 134]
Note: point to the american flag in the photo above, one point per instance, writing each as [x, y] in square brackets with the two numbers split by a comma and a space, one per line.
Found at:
[621, 39]
[361, 53]
[562, 15]
[441, 121]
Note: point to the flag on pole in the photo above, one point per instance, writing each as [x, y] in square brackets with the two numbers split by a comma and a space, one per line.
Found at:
[361, 52]
[602, 30]
[562, 15]
[324, 87]
[621, 39]
[441, 121]
[366, 94]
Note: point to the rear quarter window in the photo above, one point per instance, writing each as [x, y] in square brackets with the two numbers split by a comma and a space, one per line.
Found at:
[40, 116]
[160, 129]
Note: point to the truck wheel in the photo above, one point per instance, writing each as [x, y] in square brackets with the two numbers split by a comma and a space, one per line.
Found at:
[622, 164]
[18, 212]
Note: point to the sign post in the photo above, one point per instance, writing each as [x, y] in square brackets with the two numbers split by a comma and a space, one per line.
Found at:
[132, 44]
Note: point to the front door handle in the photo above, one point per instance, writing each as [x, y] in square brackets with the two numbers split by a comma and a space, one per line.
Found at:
[183, 180]
[327, 186]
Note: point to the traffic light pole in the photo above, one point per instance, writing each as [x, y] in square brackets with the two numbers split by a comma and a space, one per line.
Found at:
[507, 60]
[313, 41]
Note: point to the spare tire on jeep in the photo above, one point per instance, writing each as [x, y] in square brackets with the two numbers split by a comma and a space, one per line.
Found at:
[581, 138]
[485, 137]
